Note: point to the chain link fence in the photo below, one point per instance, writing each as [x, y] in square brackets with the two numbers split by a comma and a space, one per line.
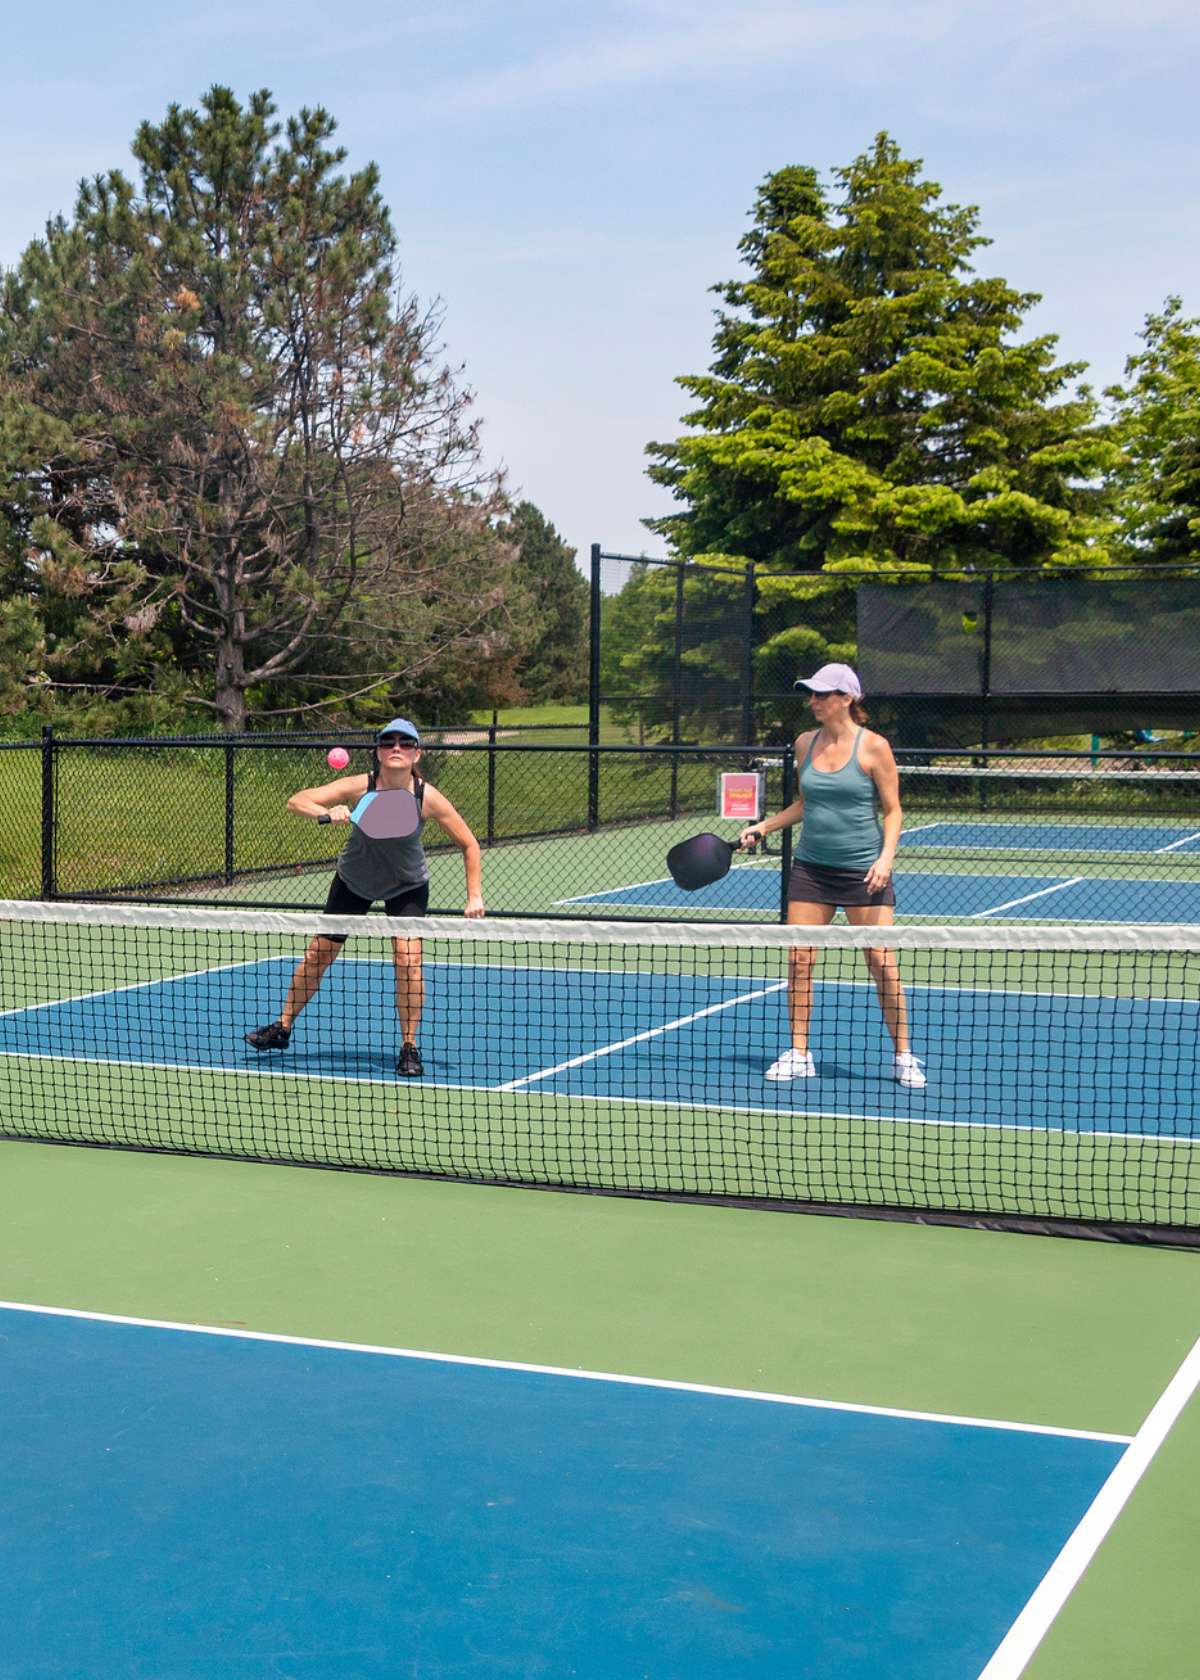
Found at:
[575, 829]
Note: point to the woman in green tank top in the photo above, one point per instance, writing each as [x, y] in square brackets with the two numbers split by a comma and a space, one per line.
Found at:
[849, 806]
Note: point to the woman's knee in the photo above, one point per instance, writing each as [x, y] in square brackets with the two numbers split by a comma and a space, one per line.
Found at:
[406, 954]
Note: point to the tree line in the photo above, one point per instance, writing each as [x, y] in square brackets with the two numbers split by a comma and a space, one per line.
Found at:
[241, 487]
[238, 483]
[874, 406]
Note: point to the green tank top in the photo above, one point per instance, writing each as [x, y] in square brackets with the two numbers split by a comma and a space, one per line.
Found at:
[842, 827]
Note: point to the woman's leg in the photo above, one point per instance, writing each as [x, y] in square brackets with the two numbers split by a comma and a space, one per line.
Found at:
[885, 971]
[310, 971]
[802, 960]
[410, 986]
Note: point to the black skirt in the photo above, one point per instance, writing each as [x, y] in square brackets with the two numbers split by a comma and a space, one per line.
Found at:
[813, 883]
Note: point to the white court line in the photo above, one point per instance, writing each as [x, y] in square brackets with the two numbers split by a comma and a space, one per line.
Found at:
[384, 963]
[134, 986]
[1186, 841]
[639, 1038]
[995, 910]
[1013, 1654]
[599, 894]
[396, 1086]
[925, 827]
[582, 1375]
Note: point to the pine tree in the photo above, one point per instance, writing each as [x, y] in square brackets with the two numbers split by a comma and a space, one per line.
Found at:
[554, 664]
[1158, 420]
[870, 404]
[240, 472]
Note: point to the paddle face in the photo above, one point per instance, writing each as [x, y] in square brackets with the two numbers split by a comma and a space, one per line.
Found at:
[387, 814]
[700, 861]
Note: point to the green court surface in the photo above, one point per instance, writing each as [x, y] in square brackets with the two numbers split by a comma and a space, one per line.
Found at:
[545, 875]
[1068, 1334]
[568, 874]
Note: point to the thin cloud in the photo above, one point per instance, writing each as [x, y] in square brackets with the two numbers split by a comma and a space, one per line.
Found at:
[687, 46]
[662, 40]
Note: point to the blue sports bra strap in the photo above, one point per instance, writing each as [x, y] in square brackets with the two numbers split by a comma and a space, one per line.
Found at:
[854, 749]
[811, 745]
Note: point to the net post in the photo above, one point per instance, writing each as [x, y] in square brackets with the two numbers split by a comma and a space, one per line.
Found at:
[490, 838]
[985, 685]
[748, 660]
[788, 767]
[676, 687]
[229, 785]
[49, 882]
[593, 794]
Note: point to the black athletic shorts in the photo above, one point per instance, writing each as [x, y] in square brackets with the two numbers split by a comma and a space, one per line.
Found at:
[342, 901]
[813, 883]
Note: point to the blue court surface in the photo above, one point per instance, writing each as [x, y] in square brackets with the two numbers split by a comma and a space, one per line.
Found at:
[1152, 839]
[182, 1505]
[1048, 1058]
[754, 888]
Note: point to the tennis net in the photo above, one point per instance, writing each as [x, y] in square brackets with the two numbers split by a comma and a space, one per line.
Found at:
[1060, 1063]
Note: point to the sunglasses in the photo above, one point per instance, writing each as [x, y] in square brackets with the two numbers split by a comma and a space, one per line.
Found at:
[397, 741]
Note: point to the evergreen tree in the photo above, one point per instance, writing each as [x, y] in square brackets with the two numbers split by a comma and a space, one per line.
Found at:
[554, 664]
[1158, 419]
[869, 403]
[871, 406]
[239, 472]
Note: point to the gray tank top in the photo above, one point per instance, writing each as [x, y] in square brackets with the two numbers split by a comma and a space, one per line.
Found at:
[841, 827]
[384, 868]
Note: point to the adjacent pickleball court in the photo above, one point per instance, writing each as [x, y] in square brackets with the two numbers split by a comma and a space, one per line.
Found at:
[928, 894]
[1104, 885]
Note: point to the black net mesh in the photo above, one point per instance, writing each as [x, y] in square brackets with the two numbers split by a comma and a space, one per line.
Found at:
[1046, 1074]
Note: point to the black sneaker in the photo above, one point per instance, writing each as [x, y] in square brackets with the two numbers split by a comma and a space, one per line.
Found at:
[409, 1062]
[274, 1037]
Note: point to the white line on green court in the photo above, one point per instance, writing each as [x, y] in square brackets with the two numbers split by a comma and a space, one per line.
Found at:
[598, 894]
[568, 1371]
[1013, 1654]
[397, 1084]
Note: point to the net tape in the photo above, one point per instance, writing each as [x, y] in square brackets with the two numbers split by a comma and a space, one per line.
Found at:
[511, 931]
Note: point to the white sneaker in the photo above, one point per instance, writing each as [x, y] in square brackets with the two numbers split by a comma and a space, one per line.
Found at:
[907, 1071]
[793, 1064]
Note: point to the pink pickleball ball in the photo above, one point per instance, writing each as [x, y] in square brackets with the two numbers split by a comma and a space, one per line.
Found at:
[337, 758]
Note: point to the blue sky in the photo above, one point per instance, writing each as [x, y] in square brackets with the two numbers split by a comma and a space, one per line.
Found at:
[570, 179]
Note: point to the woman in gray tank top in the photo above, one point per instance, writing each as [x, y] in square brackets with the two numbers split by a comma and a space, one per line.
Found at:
[849, 805]
[368, 870]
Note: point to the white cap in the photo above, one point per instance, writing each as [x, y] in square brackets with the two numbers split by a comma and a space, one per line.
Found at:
[831, 677]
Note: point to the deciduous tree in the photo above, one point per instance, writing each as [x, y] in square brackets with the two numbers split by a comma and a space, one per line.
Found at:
[239, 464]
